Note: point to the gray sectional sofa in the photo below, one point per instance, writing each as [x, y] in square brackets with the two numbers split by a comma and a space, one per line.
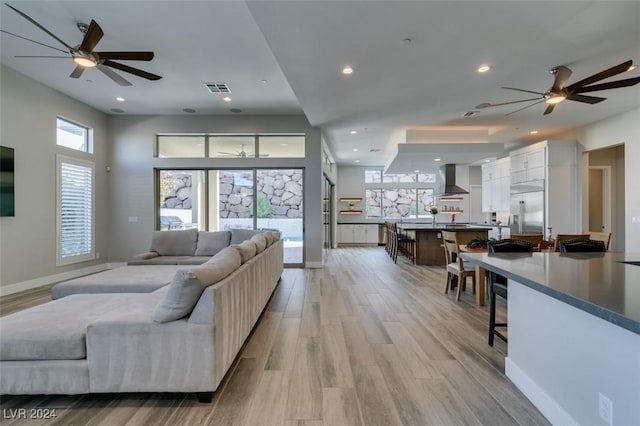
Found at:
[180, 337]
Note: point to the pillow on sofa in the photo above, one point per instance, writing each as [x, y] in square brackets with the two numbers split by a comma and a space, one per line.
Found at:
[275, 235]
[210, 243]
[146, 256]
[268, 237]
[260, 241]
[247, 250]
[240, 235]
[175, 243]
[188, 284]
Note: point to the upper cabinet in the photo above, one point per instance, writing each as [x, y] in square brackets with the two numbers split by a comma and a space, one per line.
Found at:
[495, 185]
[527, 164]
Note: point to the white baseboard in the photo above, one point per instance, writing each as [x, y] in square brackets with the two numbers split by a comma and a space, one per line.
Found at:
[50, 279]
[313, 265]
[538, 397]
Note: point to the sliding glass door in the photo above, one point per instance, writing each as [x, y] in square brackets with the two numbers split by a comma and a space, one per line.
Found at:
[220, 199]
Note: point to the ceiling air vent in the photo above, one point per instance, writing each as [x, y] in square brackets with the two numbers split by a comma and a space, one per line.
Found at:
[218, 87]
[471, 113]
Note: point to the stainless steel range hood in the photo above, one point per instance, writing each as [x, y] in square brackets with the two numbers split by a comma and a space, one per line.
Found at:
[446, 181]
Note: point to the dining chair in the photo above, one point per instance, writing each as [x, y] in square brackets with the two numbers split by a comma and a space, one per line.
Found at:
[498, 283]
[605, 237]
[582, 245]
[534, 239]
[565, 237]
[455, 264]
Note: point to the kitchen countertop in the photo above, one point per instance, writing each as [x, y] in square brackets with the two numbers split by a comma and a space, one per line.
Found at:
[597, 283]
[442, 227]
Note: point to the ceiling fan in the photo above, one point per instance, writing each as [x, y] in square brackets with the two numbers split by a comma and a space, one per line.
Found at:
[241, 154]
[573, 92]
[84, 56]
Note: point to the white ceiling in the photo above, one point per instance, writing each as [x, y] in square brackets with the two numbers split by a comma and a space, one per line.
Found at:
[299, 47]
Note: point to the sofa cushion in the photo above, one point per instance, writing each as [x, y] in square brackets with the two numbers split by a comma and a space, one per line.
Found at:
[57, 329]
[168, 260]
[269, 238]
[146, 256]
[247, 250]
[127, 279]
[210, 243]
[275, 235]
[260, 241]
[240, 235]
[175, 243]
[188, 284]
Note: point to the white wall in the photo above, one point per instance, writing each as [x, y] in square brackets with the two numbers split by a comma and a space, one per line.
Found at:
[132, 172]
[622, 129]
[28, 124]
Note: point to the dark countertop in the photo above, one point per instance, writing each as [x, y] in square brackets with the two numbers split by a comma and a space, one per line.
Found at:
[597, 283]
[441, 227]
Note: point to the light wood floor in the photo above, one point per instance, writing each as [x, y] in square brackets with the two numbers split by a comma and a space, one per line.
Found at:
[360, 342]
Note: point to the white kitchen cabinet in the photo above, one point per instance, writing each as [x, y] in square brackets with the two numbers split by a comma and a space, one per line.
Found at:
[528, 164]
[358, 234]
[495, 186]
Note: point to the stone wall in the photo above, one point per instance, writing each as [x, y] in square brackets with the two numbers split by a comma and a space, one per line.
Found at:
[279, 193]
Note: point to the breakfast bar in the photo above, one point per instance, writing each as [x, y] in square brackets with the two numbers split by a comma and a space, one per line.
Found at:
[428, 237]
[574, 332]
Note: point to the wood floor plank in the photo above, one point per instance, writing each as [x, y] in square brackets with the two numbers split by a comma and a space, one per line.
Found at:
[336, 357]
[284, 346]
[358, 347]
[305, 386]
[375, 400]
[340, 407]
[269, 403]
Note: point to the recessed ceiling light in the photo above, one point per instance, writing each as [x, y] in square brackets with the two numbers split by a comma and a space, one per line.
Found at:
[533, 132]
[355, 150]
[487, 161]
[416, 171]
[120, 99]
[263, 81]
[436, 159]
[347, 70]
[284, 144]
[354, 132]
[483, 68]
[357, 161]
[227, 99]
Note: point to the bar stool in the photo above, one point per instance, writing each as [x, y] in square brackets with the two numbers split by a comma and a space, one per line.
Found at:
[498, 283]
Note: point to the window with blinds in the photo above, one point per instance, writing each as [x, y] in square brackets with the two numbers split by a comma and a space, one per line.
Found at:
[75, 230]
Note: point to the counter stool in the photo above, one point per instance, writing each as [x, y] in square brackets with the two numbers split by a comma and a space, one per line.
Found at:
[498, 283]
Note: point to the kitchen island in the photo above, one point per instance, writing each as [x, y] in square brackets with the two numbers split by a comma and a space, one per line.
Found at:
[429, 249]
[574, 332]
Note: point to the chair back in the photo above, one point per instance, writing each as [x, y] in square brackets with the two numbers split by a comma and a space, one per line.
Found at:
[452, 248]
[510, 245]
[534, 239]
[565, 237]
[582, 245]
[605, 237]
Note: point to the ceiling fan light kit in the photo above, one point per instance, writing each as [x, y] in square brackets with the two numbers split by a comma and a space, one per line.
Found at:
[83, 55]
[573, 92]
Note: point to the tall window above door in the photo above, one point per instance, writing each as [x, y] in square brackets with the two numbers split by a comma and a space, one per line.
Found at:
[73, 135]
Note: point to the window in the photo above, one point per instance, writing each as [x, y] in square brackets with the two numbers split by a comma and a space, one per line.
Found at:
[74, 136]
[232, 146]
[170, 146]
[372, 176]
[281, 146]
[75, 224]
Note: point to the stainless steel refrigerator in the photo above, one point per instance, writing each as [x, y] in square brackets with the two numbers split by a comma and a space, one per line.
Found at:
[527, 212]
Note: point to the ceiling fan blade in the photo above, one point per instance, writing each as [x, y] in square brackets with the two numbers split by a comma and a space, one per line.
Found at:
[610, 85]
[618, 69]
[33, 41]
[32, 56]
[114, 75]
[528, 106]
[562, 74]
[585, 99]
[131, 70]
[549, 109]
[91, 37]
[126, 56]
[28, 18]
[235, 154]
[488, 105]
[77, 72]
[523, 90]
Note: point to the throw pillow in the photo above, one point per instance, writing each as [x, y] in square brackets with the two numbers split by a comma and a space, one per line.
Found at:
[260, 241]
[175, 243]
[247, 250]
[240, 235]
[269, 238]
[187, 285]
[210, 243]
